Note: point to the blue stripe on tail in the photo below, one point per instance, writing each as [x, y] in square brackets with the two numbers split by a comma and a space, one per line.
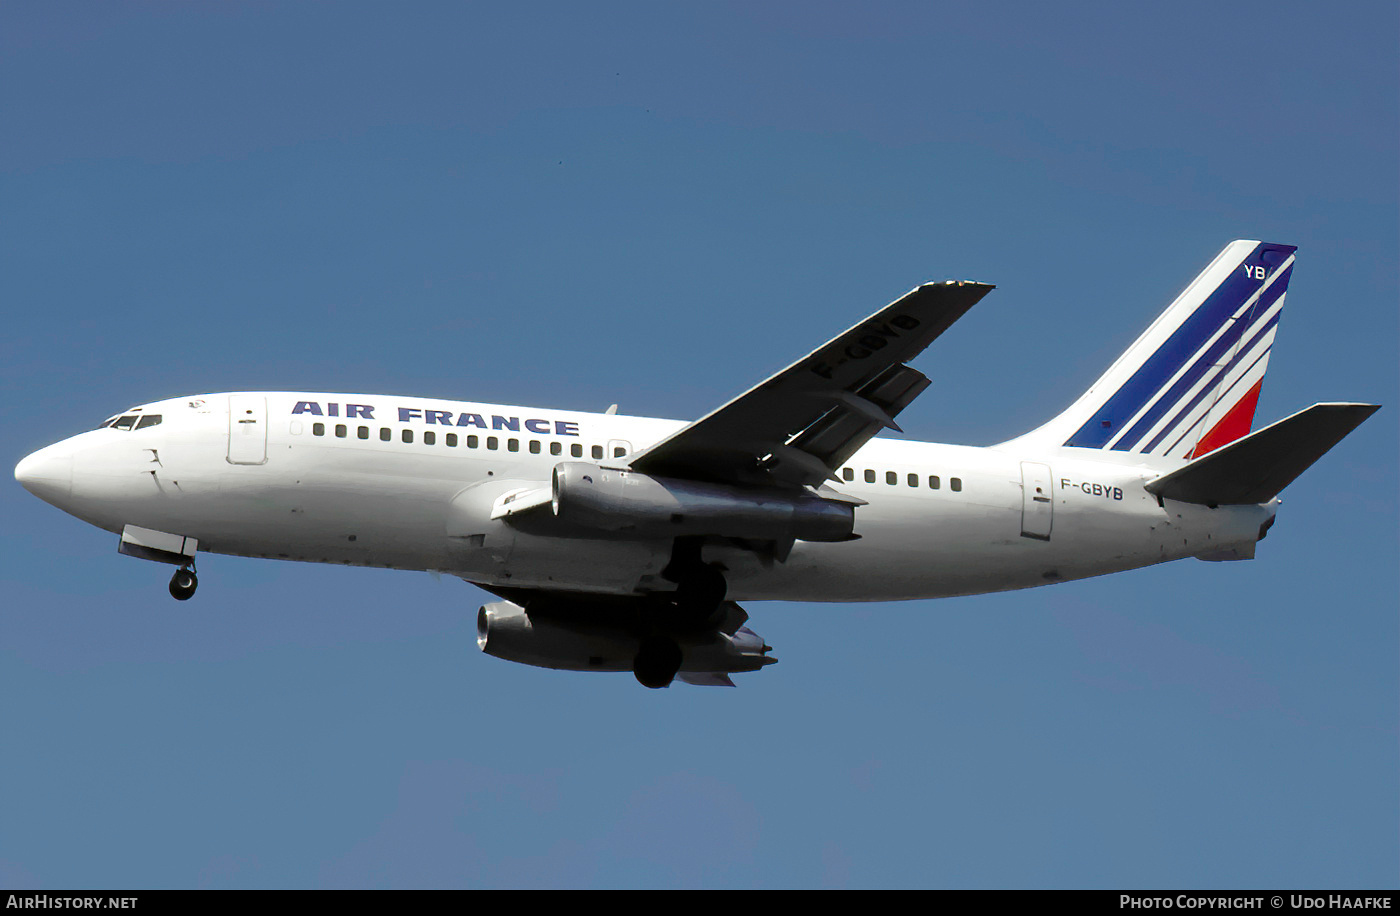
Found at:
[1204, 364]
[1224, 372]
[1203, 323]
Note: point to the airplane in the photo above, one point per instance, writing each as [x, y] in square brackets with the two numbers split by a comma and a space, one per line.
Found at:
[617, 543]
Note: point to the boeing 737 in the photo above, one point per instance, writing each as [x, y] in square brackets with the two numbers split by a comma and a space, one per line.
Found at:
[617, 543]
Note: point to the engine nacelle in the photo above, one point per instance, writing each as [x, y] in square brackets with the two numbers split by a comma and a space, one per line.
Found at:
[506, 630]
[625, 501]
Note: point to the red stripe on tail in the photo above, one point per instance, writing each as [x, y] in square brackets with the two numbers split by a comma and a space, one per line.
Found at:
[1236, 423]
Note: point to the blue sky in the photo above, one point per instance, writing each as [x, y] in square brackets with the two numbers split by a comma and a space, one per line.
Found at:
[571, 205]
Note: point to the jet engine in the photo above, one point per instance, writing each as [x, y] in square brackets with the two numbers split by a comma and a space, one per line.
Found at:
[610, 499]
[588, 641]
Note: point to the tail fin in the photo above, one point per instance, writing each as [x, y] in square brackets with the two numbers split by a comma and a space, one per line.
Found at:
[1189, 384]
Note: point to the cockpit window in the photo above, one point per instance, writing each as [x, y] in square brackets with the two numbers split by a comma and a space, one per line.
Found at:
[132, 421]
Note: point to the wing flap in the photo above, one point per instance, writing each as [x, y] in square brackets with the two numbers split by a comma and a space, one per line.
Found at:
[856, 417]
[704, 679]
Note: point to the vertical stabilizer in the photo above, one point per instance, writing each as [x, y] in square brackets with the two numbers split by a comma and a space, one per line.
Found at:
[1190, 383]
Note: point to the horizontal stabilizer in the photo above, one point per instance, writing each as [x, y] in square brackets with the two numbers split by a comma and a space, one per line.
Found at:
[1256, 468]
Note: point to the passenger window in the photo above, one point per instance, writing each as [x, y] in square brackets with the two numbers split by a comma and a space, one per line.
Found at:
[534, 446]
[473, 441]
[933, 482]
[512, 445]
[618, 451]
[492, 442]
[955, 484]
[848, 474]
[407, 435]
[430, 438]
[869, 476]
[318, 429]
[385, 434]
[363, 432]
[150, 419]
[597, 452]
[891, 478]
[913, 480]
[451, 440]
[576, 450]
[340, 430]
[556, 448]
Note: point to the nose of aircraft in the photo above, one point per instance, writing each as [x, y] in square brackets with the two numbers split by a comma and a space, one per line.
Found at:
[48, 473]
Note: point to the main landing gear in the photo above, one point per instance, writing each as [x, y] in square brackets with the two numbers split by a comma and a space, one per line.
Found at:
[700, 587]
[183, 583]
[696, 606]
[658, 659]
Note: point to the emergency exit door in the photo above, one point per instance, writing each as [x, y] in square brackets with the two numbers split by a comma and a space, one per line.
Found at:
[1037, 507]
[247, 429]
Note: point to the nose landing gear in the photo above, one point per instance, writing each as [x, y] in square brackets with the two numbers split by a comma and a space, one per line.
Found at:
[183, 583]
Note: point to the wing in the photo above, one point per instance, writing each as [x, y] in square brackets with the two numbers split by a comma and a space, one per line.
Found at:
[798, 427]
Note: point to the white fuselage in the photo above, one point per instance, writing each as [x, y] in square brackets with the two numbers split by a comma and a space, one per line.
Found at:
[354, 480]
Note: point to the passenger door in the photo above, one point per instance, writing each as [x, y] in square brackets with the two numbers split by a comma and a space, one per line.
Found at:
[1037, 507]
[247, 429]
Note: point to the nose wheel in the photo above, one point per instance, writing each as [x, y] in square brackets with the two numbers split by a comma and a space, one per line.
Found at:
[183, 584]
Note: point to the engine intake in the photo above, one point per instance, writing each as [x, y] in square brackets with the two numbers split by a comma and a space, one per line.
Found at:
[610, 499]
